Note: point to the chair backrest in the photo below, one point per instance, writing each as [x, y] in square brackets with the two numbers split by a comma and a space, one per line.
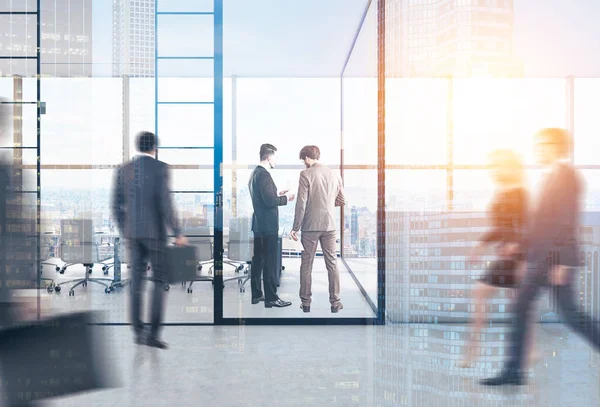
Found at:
[240, 229]
[200, 237]
[240, 250]
[77, 241]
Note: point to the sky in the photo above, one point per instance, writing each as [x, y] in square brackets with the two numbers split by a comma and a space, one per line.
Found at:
[554, 38]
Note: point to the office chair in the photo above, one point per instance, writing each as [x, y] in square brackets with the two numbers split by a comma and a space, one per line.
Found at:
[47, 244]
[78, 246]
[198, 237]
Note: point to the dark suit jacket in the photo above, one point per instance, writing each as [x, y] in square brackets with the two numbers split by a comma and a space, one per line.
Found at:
[555, 221]
[265, 201]
[141, 200]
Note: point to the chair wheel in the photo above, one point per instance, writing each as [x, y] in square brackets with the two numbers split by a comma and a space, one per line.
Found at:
[57, 288]
[167, 287]
[239, 282]
[242, 290]
[189, 290]
[57, 269]
[84, 284]
[282, 268]
[246, 271]
[148, 268]
[200, 267]
[107, 290]
[103, 268]
[240, 268]
[71, 293]
[62, 270]
[49, 289]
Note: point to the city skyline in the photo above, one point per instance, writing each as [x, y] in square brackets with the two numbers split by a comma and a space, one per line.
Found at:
[66, 39]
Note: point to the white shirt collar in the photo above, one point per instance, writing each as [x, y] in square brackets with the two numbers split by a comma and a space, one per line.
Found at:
[147, 155]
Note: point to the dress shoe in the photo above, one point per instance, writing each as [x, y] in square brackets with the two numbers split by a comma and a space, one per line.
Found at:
[258, 299]
[279, 303]
[141, 336]
[155, 343]
[305, 308]
[504, 379]
[336, 308]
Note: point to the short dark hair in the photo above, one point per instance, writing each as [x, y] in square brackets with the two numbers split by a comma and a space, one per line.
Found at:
[559, 137]
[310, 152]
[146, 141]
[266, 150]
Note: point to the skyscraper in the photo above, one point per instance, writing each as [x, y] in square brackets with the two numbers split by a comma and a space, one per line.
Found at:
[66, 37]
[441, 38]
[133, 38]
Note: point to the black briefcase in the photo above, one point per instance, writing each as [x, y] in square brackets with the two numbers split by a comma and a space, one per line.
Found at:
[182, 264]
[55, 357]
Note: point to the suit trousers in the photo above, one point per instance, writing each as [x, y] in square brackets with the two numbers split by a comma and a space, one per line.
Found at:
[264, 264]
[578, 321]
[142, 251]
[328, 245]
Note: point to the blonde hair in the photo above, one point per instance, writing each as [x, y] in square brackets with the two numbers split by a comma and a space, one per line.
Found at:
[511, 167]
[561, 138]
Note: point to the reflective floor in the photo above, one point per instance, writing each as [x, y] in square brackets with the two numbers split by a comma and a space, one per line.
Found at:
[394, 365]
[197, 306]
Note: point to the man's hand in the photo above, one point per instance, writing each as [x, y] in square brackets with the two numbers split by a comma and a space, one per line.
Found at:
[290, 197]
[181, 241]
[294, 235]
[282, 193]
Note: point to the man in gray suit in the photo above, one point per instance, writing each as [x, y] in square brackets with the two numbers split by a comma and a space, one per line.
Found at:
[319, 192]
[143, 209]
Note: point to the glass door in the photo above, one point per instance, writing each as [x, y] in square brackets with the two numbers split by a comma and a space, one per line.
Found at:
[188, 123]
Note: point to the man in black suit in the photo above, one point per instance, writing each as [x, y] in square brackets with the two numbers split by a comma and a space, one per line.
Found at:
[554, 229]
[265, 225]
[143, 209]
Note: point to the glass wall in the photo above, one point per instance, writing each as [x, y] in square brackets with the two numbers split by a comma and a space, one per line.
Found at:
[429, 277]
[359, 150]
[289, 113]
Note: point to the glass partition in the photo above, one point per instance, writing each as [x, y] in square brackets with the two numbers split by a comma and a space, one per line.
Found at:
[359, 151]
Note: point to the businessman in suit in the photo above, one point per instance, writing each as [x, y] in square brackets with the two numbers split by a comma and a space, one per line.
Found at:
[554, 229]
[143, 210]
[265, 226]
[320, 191]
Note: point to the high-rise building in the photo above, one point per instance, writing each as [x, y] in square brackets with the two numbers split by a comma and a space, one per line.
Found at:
[354, 226]
[66, 38]
[430, 280]
[442, 38]
[133, 38]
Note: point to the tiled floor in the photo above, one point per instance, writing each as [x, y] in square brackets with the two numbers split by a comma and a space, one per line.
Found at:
[331, 366]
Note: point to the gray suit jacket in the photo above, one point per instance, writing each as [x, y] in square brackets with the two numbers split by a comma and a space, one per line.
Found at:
[319, 192]
[141, 200]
